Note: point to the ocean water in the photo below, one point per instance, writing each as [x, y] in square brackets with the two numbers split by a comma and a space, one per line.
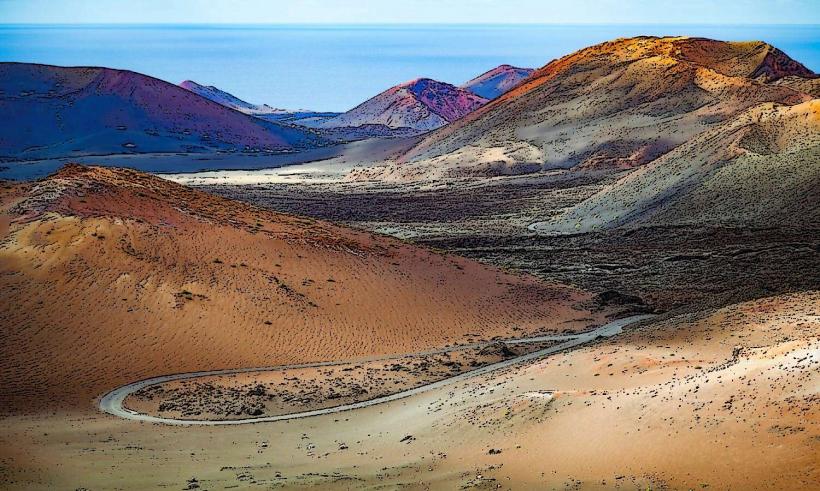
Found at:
[333, 68]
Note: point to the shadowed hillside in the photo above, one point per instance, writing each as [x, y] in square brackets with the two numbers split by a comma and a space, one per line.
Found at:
[760, 170]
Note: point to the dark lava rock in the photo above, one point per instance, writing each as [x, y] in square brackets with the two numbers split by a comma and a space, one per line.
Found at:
[612, 297]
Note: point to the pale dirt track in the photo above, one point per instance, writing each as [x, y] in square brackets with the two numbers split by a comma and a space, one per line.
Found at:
[112, 402]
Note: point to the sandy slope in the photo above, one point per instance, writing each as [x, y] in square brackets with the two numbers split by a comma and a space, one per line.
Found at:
[114, 276]
[717, 400]
[760, 169]
[726, 400]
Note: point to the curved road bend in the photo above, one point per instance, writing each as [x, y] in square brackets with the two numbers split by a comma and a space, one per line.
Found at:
[112, 402]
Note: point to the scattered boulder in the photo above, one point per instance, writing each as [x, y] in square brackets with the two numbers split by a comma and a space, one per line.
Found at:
[258, 390]
[497, 349]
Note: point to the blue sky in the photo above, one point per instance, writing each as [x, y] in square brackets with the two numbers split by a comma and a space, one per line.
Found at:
[412, 11]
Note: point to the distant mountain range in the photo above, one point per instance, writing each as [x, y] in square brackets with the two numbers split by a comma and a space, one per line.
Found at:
[608, 108]
[51, 111]
[694, 132]
[409, 108]
[55, 112]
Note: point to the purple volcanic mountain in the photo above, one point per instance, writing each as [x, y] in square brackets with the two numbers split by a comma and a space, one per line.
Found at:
[421, 105]
[497, 81]
[51, 111]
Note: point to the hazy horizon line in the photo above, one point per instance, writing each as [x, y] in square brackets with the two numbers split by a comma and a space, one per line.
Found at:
[400, 24]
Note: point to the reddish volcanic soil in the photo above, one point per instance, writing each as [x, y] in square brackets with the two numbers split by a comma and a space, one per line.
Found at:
[113, 276]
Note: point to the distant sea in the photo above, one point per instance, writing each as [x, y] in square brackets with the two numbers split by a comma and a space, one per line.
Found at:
[333, 68]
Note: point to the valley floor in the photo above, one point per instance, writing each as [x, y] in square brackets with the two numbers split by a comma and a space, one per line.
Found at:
[668, 268]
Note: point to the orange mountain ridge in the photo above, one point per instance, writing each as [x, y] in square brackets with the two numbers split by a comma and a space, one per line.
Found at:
[615, 105]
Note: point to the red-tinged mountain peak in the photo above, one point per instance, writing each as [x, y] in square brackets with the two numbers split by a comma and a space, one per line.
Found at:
[421, 104]
[448, 101]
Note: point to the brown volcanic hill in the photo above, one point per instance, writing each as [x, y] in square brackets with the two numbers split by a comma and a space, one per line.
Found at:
[615, 105]
[111, 275]
[760, 170]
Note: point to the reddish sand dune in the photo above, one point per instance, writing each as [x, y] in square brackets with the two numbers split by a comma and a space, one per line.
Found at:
[112, 275]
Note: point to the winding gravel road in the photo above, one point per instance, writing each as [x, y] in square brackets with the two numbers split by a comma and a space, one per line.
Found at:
[112, 402]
